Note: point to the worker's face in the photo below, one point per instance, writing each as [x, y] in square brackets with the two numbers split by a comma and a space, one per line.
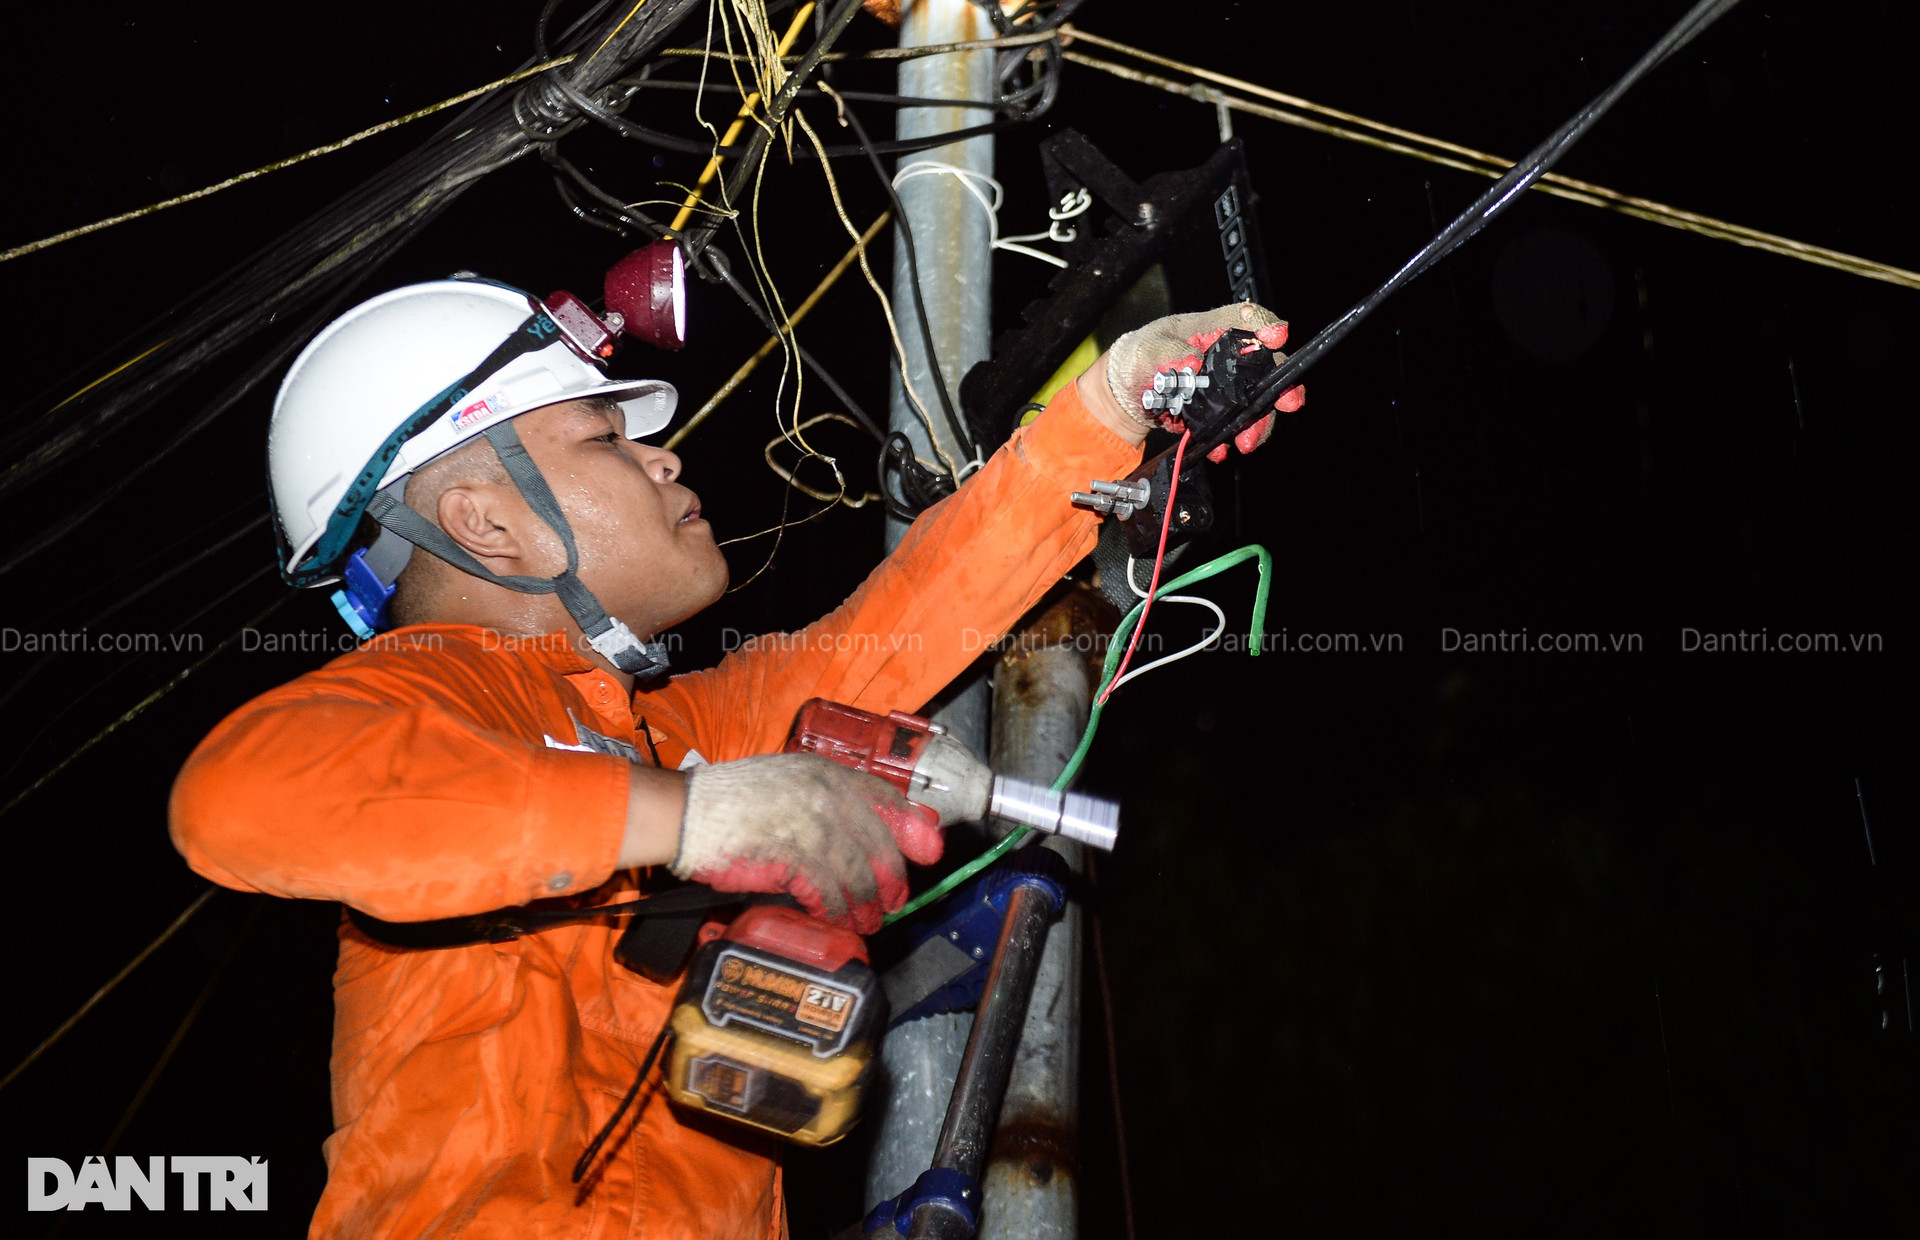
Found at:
[645, 550]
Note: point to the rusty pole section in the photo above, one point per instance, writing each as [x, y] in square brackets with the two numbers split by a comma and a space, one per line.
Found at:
[1042, 690]
[951, 235]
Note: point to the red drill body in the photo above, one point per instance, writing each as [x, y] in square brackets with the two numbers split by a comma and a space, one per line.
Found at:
[940, 775]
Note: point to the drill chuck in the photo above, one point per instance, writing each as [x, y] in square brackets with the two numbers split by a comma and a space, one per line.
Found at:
[1074, 815]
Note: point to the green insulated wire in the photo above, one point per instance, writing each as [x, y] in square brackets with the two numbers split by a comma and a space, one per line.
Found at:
[1115, 648]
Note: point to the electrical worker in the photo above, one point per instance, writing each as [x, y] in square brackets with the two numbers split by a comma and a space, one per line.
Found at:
[463, 472]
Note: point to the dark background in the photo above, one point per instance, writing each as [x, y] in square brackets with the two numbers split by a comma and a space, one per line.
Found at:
[1399, 943]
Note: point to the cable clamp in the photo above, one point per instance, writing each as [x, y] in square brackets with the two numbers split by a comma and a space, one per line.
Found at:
[939, 1187]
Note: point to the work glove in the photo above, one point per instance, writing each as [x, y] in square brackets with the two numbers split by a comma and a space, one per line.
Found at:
[1178, 340]
[832, 838]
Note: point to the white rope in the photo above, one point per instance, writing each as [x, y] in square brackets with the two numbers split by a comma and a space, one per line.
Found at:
[973, 181]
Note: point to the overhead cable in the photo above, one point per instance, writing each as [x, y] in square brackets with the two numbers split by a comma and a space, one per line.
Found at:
[139, 708]
[32, 247]
[180, 1031]
[121, 601]
[893, 326]
[747, 105]
[955, 424]
[761, 354]
[1464, 158]
[107, 987]
[1478, 214]
[886, 53]
[748, 166]
[972, 181]
[333, 251]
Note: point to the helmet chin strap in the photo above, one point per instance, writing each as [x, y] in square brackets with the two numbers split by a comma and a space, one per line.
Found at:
[611, 638]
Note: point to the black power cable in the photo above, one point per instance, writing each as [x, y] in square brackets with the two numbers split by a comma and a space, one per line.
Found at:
[327, 256]
[954, 424]
[696, 240]
[862, 96]
[1481, 212]
[723, 269]
[616, 217]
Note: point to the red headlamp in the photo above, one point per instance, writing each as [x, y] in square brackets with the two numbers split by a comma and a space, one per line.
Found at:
[648, 290]
[646, 298]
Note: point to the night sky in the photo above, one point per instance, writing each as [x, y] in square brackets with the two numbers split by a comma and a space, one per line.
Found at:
[1414, 940]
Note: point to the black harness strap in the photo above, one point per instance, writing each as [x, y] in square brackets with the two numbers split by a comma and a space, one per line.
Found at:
[511, 923]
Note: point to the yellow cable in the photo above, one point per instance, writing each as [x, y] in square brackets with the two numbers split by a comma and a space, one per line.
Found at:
[106, 987]
[890, 53]
[740, 122]
[793, 481]
[747, 367]
[886, 303]
[617, 29]
[111, 373]
[1467, 159]
[382, 127]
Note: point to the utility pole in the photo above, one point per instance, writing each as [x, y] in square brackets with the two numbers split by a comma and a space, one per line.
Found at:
[1042, 692]
[952, 240]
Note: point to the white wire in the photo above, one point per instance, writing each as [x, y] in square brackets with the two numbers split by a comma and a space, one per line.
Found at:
[1219, 627]
[972, 181]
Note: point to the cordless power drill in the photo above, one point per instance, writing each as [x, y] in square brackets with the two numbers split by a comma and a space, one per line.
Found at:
[777, 1019]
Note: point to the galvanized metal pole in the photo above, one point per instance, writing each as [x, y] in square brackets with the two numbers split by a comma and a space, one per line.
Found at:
[950, 230]
[1042, 691]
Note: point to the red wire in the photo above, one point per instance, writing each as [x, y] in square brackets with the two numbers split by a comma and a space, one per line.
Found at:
[1159, 558]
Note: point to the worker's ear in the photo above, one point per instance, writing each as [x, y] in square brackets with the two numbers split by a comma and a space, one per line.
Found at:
[479, 518]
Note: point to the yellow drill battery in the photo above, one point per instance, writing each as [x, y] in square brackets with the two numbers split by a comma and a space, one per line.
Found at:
[775, 1025]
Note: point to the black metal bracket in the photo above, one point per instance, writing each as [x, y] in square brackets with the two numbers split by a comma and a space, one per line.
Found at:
[1198, 222]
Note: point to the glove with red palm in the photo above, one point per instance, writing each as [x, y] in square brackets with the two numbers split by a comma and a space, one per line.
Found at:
[836, 840]
[1177, 341]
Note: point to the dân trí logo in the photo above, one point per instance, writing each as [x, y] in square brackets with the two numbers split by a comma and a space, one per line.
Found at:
[231, 1182]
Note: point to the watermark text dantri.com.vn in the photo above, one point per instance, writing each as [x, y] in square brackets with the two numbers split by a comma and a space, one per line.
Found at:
[1288, 641]
[1526, 641]
[231, 1183]
[87, 641]
[1764, 641]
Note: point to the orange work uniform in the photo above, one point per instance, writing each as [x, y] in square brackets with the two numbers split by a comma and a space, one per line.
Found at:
[443, 770]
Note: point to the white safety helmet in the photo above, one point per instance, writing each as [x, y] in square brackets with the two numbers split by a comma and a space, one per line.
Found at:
[404, 378]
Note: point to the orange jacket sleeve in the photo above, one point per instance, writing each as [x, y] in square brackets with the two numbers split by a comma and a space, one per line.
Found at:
[966, 571]
[374, 783]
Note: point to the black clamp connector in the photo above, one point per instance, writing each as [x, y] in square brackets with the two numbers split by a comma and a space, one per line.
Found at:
[1205, 403]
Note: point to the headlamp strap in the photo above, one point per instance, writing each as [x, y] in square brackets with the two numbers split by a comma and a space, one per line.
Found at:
[610, 637]
[535, 332]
